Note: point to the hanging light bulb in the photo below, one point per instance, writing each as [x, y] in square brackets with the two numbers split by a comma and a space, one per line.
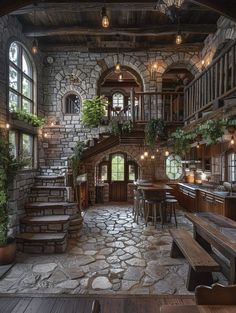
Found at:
[142, 157]
[145, 154]
[117, 68]
[198, 145]
[35, 48]
[45, 135]
[152, 157]
[7, 125]
[105, 19]
[167, 153]
[178, 39]
[232, 140]
[157, 150]
[120, 77]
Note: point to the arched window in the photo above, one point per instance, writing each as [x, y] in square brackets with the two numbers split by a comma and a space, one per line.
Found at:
[118, 167]
[72, 104]
[118, 101]
[174, 168]
[21, 82]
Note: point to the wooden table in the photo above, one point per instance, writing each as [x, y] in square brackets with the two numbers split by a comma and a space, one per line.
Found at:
[198, 309]
[212, 230]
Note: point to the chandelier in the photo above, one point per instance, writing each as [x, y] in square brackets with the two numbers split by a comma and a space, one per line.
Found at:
[169, 7]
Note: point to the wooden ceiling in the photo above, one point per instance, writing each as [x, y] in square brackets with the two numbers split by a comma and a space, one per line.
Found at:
[134, 25]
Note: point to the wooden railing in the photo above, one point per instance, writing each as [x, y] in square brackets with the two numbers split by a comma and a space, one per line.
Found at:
[216, 82]
[168, 106]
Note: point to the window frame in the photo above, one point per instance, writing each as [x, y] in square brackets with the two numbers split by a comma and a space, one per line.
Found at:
[227, 166]
[19, 69]
[135, 171]
[103, 163]
[64, 102]
[174, 156]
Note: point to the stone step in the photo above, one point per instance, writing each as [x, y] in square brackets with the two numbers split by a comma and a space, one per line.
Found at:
[42, 242]
[42, 224]
[51, 208]
[54, 180]
[49, 194]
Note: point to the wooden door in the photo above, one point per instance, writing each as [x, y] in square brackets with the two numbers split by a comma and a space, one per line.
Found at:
[118, 180]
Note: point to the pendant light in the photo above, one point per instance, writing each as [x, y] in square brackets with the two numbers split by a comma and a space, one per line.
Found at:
[35, 47]
[105, 19]
[178, 39]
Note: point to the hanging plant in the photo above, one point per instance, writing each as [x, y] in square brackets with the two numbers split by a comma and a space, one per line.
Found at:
[155, 128]
[212, 130]
[182, 141]
[93, 111]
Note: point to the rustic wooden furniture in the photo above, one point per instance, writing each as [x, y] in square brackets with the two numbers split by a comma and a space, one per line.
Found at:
[212, 230]
[216, 295]
[201, 264]
[198, 309]
[171, 205]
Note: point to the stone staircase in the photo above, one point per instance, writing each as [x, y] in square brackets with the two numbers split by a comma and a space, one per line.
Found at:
[51, 217]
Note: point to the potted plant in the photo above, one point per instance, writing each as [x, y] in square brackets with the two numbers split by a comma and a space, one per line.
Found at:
[93, 111]
[154, 129]
[29, 118]
[9, 165]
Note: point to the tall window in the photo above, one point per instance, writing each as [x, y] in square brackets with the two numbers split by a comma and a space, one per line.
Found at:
[20, 79]
[231, 167]
[174, 168]
[118, 167]
[118, 101]
[72, 104]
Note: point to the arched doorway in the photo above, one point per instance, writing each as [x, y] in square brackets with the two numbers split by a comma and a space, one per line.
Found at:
[116, 87]
[117, 170]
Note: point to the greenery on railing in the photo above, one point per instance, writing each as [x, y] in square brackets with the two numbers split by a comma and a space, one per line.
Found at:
[116, 128]
[29, 118]
[76, 157]
[93, 111]
[155, 128]
[9, 165]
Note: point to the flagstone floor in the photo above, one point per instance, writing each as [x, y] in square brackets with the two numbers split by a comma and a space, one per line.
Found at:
[113, 255]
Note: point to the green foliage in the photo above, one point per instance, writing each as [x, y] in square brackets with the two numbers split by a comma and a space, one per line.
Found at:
[29, 118]
[154, 129]
[93, 111]
[114, 128]
[127, 127]
[182, 141]
[76, 157]
[212, 130]
[9, 165]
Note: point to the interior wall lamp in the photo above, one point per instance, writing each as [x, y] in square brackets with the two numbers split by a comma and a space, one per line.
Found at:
[105, 19]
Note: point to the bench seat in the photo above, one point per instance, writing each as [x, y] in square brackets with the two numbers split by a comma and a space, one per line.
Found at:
[201, 264]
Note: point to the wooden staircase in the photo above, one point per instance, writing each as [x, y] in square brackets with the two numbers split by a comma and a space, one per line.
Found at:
[51, 217]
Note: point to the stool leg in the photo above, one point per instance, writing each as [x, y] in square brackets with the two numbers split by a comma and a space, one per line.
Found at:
[161, 215]
[155, 214]
[174, 215]
[147, 214]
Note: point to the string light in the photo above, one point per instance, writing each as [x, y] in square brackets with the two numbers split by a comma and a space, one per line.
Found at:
[105, 19]
[232, 140]
[145, 154]
[142, 157]
[152, 157]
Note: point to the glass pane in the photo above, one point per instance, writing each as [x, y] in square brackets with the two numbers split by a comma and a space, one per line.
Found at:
[13, 101]
[27, 88]
[26, 105]
[27, 148]
[131, 172]
[72, 104]
[12, 141]
[104, 172]
[26, 65]
[174, 167]
[118, 101]
[117, 168]
[14, 53]
[14, 78]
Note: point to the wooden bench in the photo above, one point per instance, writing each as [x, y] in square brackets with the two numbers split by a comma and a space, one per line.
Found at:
[201, 264]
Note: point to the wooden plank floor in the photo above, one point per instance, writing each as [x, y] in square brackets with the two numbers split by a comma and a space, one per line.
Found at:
[82, 304]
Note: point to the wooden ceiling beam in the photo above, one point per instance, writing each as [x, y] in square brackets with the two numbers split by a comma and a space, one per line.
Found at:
[105, 47]
[155, 31]
[226, 8]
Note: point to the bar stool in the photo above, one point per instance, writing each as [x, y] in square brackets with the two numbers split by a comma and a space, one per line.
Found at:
[154, 204]
[171, 204]
[138, 205]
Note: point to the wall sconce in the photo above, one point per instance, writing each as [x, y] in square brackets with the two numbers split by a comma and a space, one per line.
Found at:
[117, 68]
[120, 77]
[203, 64]
[178, 39]
[35, 47]
[105, 19]
[154, 69]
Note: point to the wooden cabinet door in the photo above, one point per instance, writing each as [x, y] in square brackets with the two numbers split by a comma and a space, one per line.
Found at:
[118, 191]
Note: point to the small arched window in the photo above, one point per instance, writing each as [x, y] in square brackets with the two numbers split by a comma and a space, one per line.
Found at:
[72, 104]
[174, 168]
[21, 82]
[118, 101]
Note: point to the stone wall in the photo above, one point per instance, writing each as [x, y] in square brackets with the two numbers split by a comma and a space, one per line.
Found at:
[11, 30]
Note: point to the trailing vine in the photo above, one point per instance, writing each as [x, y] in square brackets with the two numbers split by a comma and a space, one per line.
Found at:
[155, 128]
